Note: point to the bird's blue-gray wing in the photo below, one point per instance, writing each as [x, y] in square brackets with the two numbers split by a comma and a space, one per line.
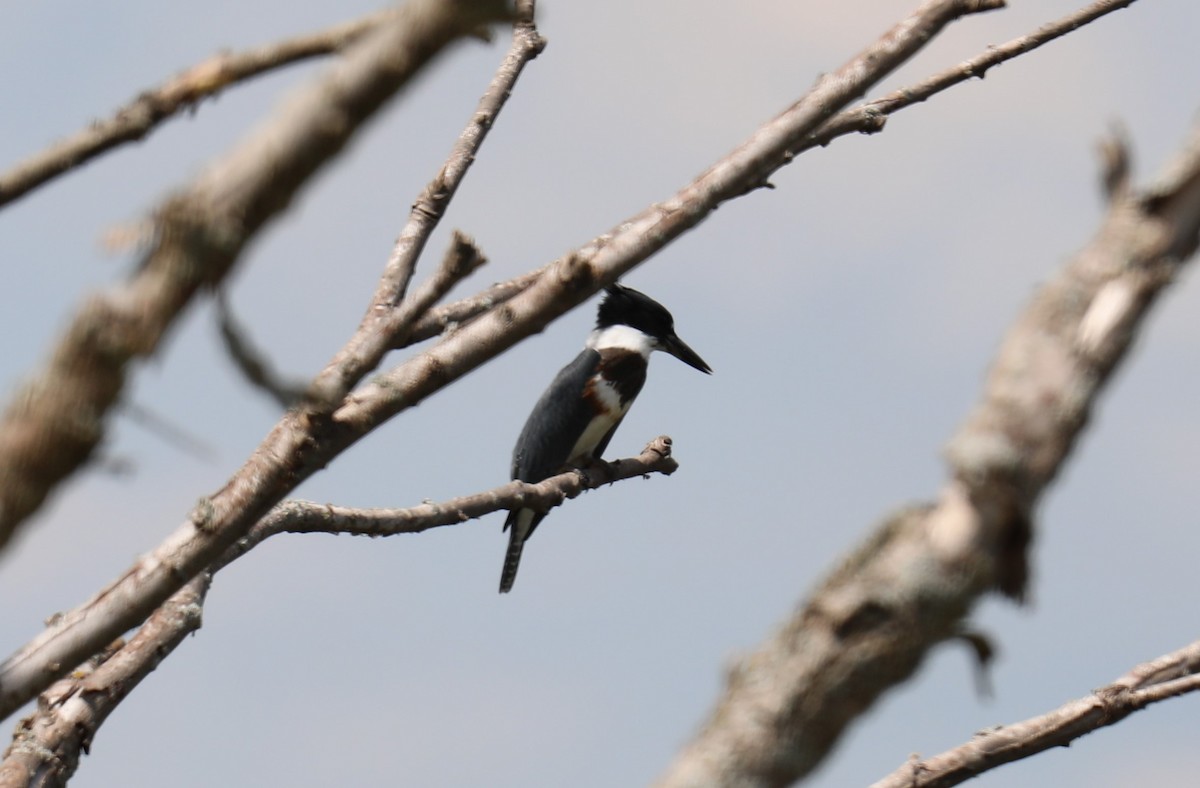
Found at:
[558, 419]
[544, 446]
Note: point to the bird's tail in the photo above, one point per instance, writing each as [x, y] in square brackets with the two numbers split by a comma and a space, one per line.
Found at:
[512, 559]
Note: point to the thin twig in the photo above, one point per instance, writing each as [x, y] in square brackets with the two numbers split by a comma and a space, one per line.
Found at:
[462, 258]
[48, 743]
[870, 117]
[383, 327]
[253, 363]
[173, 434]
[140, 116]
[1003, 744]
[451, 316]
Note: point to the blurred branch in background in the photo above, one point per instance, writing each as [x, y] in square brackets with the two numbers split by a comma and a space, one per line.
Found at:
[911, 584]
[139, 117]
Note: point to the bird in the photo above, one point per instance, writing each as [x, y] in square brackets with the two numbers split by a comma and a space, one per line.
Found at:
[575, 418]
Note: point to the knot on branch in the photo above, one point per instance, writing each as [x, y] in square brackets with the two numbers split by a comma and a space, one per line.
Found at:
[660, 446]
[575, 272]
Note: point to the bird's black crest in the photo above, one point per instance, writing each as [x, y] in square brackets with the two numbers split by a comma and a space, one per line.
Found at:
[624, 306]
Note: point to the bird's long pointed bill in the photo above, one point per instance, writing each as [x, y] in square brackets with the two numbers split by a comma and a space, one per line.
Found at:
[680, 350]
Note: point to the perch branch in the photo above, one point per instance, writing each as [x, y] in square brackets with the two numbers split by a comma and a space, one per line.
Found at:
[48, 743]
[303, 517]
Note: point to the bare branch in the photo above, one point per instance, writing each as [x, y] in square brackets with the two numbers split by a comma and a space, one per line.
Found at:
[200, 234]
[383, 328]
[1007, 743]
[139, 117]
[865, 118]
[304, 517]
[431, 204]
[462, 258]
[871, 116]
[48, 743]
[909, 587]
[451, 316]
[584, 271]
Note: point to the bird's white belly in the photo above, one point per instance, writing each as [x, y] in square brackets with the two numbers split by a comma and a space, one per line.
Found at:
[599, 426]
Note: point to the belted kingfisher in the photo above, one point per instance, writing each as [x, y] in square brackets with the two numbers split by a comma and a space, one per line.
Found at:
[577, 415]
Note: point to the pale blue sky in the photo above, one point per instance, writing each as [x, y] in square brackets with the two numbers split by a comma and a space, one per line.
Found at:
[849, 315]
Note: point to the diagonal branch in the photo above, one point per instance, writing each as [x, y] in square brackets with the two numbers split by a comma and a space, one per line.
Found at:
[582, 272]
[870, 117]
[48, 743]
[383, 327]
[462, 258]
[1146, 684]
[868, 626]
[866, 118]
[139, 117]
[201, 232]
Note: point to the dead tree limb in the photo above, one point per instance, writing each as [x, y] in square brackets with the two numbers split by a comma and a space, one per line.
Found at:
[143, 114]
